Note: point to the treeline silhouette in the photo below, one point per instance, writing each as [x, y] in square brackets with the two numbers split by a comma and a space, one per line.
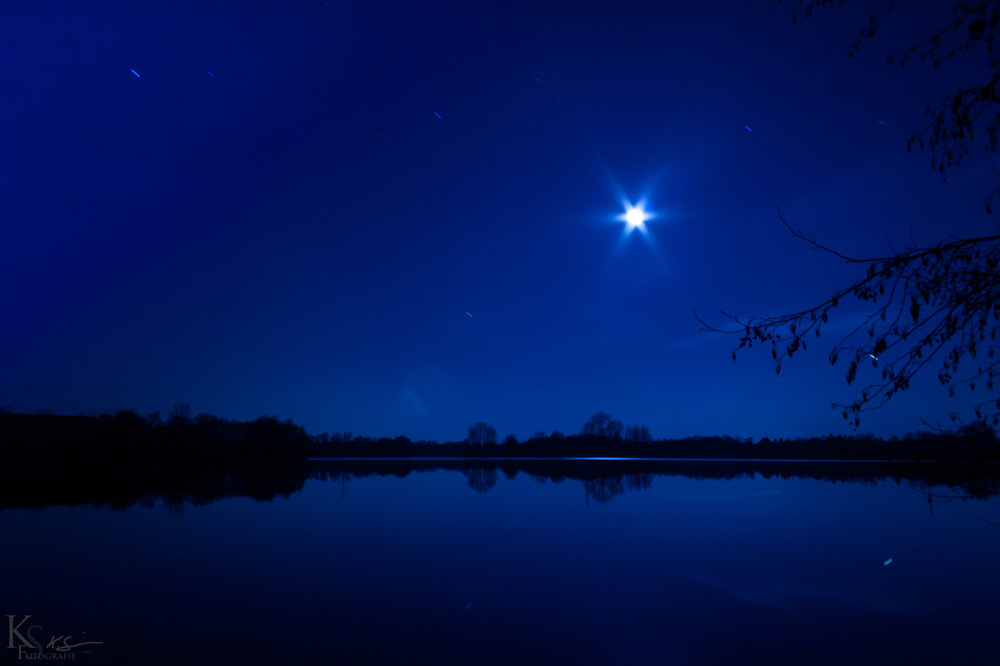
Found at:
[604, 436]
[126, 439]
[123, 459]
[925, 446]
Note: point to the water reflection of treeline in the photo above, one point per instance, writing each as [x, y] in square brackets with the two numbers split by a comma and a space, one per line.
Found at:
[126, 459]
[603, 480]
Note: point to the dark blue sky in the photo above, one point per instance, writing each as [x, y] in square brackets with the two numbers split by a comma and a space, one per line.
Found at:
[399, 218]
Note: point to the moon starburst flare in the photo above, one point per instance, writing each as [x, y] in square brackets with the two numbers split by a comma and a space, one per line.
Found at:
[635, 217]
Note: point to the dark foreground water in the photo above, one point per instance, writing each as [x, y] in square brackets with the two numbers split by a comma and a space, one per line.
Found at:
[453, 567]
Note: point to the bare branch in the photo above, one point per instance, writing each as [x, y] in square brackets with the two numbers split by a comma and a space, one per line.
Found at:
[925, 300]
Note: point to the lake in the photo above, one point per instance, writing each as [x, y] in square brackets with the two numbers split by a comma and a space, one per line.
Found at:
[500, 565]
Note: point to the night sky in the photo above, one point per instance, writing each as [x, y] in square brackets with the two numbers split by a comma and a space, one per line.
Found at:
[400, 218]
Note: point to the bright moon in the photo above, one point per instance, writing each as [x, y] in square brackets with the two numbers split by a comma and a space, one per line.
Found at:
[635, 217]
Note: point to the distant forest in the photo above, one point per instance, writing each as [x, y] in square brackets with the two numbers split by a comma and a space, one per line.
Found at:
[127, 439]
[125, 459]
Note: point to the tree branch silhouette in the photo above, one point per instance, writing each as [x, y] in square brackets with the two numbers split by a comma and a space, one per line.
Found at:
[921, 302]
[953, 118]
[938, 302]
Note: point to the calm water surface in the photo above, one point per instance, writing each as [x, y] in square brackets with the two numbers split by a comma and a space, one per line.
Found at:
[426, 569]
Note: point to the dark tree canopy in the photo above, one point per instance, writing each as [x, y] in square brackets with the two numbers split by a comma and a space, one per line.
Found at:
[637, 433]
[482, 433]
[938, 303]
[180, 413]
[602, 425]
